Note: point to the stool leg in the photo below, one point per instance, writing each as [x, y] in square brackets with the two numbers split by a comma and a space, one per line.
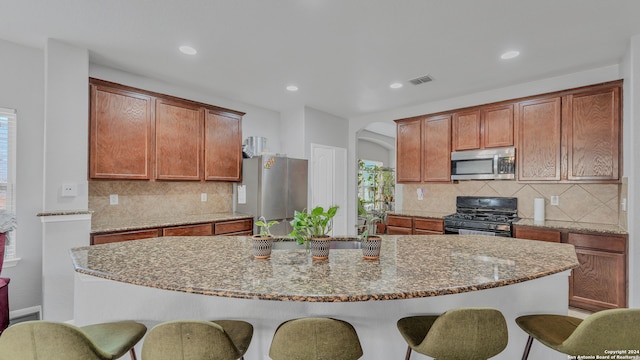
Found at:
[408, 353]
[132, 354]
[527, 348]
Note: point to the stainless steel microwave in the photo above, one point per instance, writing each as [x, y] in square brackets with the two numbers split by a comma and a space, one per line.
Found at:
[498, 163]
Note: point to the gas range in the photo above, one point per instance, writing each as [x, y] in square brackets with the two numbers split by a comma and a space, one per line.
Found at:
[482, 215]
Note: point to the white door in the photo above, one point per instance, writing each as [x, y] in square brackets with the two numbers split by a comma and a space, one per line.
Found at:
[329, 183]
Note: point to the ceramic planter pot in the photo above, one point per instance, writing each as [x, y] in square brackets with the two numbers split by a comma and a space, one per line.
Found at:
[320, 248]
[261, 246]
[371, 247]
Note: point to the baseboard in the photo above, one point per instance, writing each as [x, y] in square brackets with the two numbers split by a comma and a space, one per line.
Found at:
[26, 314]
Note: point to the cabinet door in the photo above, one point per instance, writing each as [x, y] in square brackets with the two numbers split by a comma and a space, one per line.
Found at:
[409, 151]
[466, 130]
[539, 139]
[497, 126]
[593, 126]
[223, 147]
[436, 157]
[120, 134]
[600, 281]
[178, 141]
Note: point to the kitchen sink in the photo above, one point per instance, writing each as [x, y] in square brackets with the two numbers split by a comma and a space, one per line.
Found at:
[337, 244]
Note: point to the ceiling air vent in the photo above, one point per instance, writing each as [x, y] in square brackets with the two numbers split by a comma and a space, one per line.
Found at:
[421, 80]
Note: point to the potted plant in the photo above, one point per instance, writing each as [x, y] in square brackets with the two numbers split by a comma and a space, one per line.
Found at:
[263, 241]
[312, 228]
[371, 243]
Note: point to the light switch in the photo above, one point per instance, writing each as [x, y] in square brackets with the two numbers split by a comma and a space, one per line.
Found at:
[203, 197]
[113, 199]
[420, 193]
[555, 200]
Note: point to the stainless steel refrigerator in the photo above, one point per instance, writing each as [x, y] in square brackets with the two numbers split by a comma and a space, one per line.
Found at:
[273, 187]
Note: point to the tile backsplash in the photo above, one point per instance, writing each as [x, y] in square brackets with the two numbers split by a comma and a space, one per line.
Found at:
[157, 199]
[594, 203]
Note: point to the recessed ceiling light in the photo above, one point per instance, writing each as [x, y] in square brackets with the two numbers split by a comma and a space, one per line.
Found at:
[188, 50]
[292, 88]
[510, 54]
[396, 85]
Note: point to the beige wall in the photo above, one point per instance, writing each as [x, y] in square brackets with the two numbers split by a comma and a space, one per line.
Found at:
[595, 203]
[157, 199]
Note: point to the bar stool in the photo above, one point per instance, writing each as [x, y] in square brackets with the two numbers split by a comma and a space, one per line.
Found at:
[459, 334]
[198, 340]
[315, 338]
[44, 340]
[614, 329]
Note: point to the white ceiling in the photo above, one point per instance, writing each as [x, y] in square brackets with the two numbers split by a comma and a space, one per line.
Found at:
[342, 54]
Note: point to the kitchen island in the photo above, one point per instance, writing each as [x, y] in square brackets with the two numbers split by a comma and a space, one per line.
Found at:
[216, 277]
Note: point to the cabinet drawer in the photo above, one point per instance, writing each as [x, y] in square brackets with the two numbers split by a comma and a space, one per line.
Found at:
[188, 230]
[125, 236]
[399, 221]
[226, 227]
[600, 242]
[537, 234]
[394, 230]
[434, 225]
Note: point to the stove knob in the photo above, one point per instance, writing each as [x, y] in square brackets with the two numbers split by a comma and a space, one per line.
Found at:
[492, 226]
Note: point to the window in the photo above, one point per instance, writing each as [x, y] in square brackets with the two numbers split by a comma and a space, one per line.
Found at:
[8, 171]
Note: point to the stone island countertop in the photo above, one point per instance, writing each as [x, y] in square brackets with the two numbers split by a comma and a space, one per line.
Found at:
[409, 267]
[137, 223]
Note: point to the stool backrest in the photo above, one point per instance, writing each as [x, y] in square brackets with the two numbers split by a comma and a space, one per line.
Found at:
[466, 333]
[43, 340]
[315, 338]
[188, 339]
[613, 329]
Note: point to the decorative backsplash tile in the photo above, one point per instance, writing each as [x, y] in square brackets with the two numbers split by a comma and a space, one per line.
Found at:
[157, 199]
[596, 203]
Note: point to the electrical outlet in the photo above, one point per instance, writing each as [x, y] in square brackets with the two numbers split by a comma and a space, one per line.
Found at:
[203, 197]
[113, 199]
[555, 200]
[623, 204]
[69, 190]
[420, 193]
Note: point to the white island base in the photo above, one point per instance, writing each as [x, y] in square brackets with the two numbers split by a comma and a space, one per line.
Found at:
[100, 300]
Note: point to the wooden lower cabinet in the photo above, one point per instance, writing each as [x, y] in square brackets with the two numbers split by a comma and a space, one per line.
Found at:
[399, 225]
[601, 280]
[124, 236]
[238, 227]
[424, 226]
[408, 225]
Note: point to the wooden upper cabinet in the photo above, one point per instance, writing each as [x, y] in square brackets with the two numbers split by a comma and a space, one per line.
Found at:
[408, 151]
[222, 147]
[539, 128]
[466, 130]
[593, 131]
[436, 157]
[483, 128]
[497, 126]
[120, 129]
[138, 134]
[178, 141]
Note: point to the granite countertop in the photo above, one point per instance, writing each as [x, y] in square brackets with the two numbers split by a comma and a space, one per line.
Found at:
[419, 213]
[146, 223]
[409, 267]
[577, 226]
